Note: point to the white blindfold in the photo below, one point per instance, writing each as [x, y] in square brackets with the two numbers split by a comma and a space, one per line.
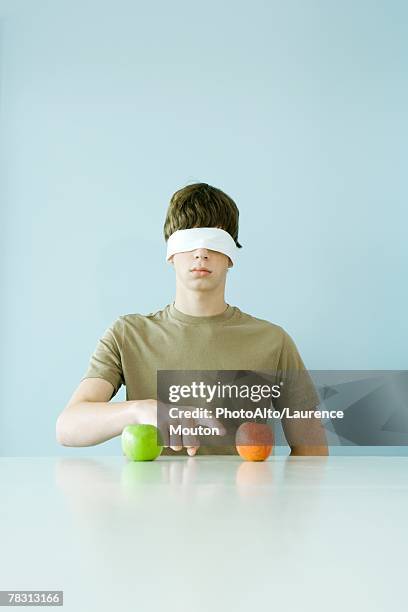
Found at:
[213, 238]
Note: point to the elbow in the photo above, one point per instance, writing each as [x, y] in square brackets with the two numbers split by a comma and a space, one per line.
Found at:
[61, 435]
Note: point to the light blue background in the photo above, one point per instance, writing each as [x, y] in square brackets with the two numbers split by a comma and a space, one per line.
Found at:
[297, 109]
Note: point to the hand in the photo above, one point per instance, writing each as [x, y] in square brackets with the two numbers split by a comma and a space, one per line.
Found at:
[146, 413]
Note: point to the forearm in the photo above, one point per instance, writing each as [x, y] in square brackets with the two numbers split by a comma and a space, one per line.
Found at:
[90, 423]
[305, 437]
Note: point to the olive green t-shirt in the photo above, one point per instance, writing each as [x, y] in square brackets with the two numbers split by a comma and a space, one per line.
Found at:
[135, 346]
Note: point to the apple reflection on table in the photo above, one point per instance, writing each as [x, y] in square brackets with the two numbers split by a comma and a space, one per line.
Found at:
[98, 489]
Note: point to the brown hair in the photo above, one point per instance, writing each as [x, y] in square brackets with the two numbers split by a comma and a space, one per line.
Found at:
[201, 205]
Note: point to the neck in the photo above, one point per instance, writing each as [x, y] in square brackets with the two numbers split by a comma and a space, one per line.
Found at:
[200, 304]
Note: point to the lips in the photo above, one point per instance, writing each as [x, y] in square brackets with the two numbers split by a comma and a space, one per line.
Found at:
[201, 271]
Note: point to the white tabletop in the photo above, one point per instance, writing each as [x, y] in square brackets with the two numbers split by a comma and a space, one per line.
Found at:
[207, 533]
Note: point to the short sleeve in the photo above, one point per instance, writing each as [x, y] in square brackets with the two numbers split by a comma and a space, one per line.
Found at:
[106, 360]
[298, 389]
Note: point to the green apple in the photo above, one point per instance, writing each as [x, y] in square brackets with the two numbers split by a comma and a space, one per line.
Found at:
[141, 442]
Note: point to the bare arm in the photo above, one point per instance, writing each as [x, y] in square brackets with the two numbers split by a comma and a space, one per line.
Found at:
[89, 418]
[307, 438]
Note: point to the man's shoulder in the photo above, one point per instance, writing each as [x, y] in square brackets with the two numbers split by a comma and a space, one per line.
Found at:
[260, 323]
[137, 318]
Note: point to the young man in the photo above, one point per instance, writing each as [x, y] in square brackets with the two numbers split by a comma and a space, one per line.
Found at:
[197, 331]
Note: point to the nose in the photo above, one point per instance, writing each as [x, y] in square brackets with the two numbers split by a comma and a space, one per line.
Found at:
[201, 252]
